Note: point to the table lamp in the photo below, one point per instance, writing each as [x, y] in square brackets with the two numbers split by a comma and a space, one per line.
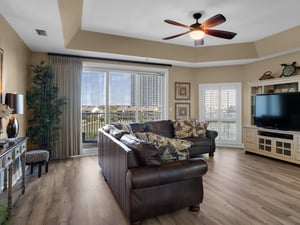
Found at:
[16, 102]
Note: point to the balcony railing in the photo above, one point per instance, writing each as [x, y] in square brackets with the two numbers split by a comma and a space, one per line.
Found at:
[91, 122]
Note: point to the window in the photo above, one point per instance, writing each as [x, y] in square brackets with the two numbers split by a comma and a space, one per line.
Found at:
[122, 94]
[220, 106]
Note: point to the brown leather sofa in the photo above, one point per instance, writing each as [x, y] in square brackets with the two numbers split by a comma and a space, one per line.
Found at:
[147, 190]
[201, 145]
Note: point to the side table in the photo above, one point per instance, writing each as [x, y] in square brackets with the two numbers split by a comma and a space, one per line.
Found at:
[10, 153]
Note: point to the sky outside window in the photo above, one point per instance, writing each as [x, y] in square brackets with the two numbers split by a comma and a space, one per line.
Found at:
[119, 88]
[93, 90]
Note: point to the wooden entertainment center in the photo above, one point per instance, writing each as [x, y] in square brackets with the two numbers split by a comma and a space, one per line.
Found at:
[279, 144]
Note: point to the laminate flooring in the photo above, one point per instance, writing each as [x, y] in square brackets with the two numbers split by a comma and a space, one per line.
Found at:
[239, 189]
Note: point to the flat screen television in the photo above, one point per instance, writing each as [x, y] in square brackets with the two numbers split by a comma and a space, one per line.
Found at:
[278, 111]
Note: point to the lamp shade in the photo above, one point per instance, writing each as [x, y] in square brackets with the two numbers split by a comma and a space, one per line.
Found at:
[16, 102]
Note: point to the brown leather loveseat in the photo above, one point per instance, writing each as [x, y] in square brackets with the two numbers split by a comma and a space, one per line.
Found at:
[143, 186]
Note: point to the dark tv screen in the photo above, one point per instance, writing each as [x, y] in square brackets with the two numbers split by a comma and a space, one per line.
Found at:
[278, 111]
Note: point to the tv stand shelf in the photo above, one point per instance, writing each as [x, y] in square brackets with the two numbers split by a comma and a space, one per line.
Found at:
[276, 135]
[276, 85]
[283, 145]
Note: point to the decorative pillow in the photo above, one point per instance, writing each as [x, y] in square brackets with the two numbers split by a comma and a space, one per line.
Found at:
[199, 129]
[122, 126]
[108, 127]
[115, 132]
[147, 154]
[170, 149]
[143, 136]
[183, 128]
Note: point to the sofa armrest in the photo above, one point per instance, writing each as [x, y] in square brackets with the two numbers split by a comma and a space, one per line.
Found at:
[171, 172]
[211, 134]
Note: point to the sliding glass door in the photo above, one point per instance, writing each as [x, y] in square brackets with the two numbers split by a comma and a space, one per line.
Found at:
[92, 104]
[112, 95]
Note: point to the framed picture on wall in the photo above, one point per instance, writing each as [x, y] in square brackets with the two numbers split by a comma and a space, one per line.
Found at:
[182, 111]
[182, 91]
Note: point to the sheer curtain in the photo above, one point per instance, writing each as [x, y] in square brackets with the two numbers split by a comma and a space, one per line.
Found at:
[67, 72]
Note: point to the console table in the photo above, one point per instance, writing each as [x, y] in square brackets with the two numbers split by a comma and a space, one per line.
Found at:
[10, 153]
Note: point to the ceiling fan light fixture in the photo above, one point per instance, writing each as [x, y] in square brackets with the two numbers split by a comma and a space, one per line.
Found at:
[196, 34]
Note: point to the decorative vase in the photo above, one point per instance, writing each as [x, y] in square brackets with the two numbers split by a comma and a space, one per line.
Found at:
[12, 128]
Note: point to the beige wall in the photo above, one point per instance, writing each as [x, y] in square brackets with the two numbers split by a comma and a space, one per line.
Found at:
[15, 67]
[181, 74]
[224, 74]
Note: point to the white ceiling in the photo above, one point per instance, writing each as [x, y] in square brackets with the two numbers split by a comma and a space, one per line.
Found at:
[250, 19]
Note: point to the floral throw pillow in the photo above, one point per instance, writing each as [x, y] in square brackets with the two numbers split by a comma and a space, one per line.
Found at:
[170, 149]
[199, 129]
[189, 128]
[183, 128]
[142, 136]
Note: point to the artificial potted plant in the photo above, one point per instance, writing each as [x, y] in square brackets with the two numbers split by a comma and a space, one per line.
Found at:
[45, 107]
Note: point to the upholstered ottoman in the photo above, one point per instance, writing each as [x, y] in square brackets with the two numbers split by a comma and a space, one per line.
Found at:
[37, 157]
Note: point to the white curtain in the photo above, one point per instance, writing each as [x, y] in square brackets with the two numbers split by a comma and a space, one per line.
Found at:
[67, 72]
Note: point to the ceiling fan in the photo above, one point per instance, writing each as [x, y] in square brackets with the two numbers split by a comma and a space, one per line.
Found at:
[197, 30]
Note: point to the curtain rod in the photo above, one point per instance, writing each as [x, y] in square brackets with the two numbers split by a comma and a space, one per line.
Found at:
[110, 59]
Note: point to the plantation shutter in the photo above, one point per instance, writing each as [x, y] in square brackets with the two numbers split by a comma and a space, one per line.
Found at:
[220, 106]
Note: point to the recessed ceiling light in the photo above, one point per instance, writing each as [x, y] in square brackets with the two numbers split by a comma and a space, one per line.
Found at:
[41, 32]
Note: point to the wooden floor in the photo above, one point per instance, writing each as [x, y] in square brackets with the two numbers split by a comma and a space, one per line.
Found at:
[239, 189]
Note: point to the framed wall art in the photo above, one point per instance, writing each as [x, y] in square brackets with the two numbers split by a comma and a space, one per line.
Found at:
[182, 111]
[182, 91]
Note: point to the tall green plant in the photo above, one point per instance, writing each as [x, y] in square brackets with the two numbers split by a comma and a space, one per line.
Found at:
[46, 107]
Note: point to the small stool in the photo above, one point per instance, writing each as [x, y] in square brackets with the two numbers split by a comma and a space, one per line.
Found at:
[37, 157]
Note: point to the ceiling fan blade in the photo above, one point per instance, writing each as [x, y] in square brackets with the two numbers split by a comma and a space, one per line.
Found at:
[220, 33]
[177, 35]
[213, 21]
[198, 43]
[176, 23]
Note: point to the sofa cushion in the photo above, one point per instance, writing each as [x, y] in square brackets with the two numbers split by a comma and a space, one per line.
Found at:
[170, 149]
[137, 127]
[161, 127]
[183, 128]
[147, 154]
[199, 141]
